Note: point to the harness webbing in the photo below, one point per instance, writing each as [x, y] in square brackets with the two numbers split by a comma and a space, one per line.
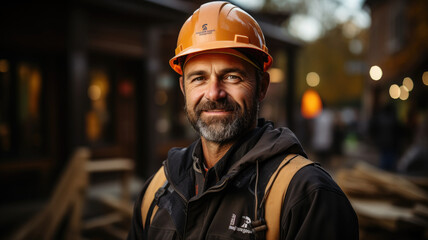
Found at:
[272, 201]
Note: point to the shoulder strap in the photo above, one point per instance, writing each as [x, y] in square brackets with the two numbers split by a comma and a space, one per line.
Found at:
[148, 210]
[276, 189]
[273, 198]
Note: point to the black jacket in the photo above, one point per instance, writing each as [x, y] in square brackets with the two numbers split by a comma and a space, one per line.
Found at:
[314, 207]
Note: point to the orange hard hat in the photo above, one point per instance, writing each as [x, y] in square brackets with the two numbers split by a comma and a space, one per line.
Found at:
[220, 25]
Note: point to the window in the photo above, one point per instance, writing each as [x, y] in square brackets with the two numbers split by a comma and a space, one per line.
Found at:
[397, 27]
[5, 107]
[21, 118]
[98, 117]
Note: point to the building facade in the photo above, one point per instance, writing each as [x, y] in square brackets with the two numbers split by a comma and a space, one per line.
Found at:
[95, 73]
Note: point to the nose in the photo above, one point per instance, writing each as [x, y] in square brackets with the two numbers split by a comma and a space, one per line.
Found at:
[215, 90]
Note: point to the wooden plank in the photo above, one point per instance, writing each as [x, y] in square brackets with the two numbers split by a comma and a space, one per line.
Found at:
[116, 232]
[75, 222]
[392, 182]
[73, 181]
[118, 164]
[124, 207]
[421, 182]
[102, 220]
[28, 229]
[69, 194]
[385, 214]
[421, 211]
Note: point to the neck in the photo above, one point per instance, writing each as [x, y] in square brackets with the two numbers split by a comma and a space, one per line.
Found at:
[213, 152]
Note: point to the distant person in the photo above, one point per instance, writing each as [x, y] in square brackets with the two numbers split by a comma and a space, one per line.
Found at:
[215, 188]
[386, 132]
[415, 159]
[323, 134]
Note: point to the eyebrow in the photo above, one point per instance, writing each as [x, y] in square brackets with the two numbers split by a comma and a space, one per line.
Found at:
[222, 72]
[194, 73]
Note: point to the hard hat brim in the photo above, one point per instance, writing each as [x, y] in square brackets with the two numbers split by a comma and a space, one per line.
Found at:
[176, 64]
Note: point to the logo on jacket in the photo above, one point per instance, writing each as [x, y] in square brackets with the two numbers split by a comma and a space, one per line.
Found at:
[243, 226]
[247, 221]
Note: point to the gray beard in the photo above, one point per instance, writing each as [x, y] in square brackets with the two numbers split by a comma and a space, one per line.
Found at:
[226, 129]
[220, 132]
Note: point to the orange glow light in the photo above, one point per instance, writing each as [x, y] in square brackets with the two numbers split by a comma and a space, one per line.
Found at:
[311, 104]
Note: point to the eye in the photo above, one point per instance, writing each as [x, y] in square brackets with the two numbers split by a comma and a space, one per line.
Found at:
[197, 79]
[233, 78]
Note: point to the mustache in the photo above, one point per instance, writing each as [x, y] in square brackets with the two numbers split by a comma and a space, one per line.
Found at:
[226, 105]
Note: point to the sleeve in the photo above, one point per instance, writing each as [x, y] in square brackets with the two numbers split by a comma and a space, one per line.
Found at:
[316, 208]
[136, 232]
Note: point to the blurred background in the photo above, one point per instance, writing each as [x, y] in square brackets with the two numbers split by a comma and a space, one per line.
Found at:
[89, 106]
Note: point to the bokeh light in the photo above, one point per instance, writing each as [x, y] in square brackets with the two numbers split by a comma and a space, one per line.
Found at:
[313, 79]
[404, 93]
[408, 83]
[94, 92]
[394, 91]
[311, 104]
[276, 75]
[4, 65]
[376, 73]
[425, 78]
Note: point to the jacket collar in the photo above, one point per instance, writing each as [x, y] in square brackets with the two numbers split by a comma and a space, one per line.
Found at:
[260, 145]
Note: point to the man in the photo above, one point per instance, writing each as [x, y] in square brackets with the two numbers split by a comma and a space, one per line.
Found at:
[215, 188]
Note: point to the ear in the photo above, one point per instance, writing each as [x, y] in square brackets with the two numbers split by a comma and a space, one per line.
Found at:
[264, 84]
[182, 84]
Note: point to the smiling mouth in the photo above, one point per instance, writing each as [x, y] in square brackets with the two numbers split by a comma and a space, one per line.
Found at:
[217, 111]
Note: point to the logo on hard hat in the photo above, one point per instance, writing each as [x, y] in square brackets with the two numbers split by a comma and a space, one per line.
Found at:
[205, 30]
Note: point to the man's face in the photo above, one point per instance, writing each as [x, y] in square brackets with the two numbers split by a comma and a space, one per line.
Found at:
[221, 96]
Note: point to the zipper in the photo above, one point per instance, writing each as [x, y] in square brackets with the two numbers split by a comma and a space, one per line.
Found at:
[216, 188]
[172, 184]
[186, 203]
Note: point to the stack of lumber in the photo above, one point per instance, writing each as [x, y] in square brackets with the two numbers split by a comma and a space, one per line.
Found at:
[66, 205]
[388, 201]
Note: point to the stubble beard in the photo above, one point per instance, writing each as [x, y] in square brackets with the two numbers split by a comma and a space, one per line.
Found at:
[223, 129]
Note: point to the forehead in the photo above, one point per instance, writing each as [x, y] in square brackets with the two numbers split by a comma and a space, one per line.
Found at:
[218, 61]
